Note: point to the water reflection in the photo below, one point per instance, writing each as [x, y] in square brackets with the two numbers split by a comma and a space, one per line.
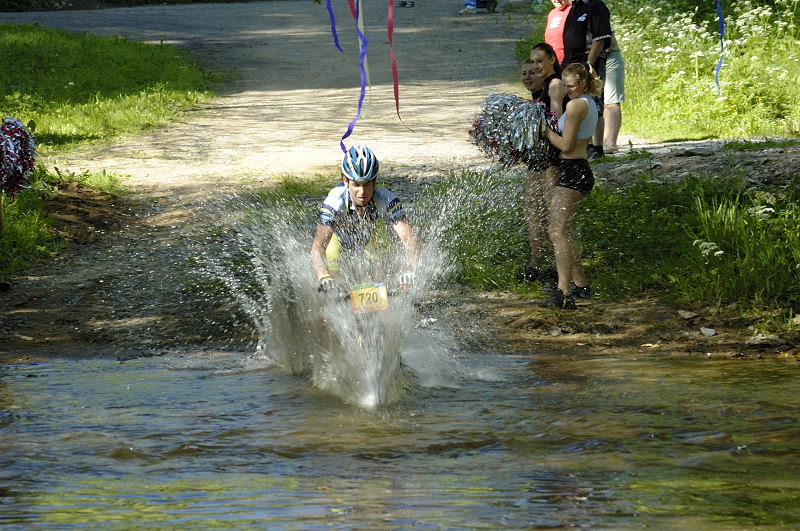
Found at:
[212, 440]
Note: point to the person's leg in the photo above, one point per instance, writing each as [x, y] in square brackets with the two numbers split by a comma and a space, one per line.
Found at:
[614, 94]
[536, 217]
[597, 137]
[563, 206]
[613, 122]
[599, 131]
[550, 180]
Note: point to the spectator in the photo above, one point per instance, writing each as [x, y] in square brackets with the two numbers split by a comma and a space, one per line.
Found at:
[588, 37]
[534, 197]
[554, 31]
[574, 180]
[530, 80]
[546, 67]
[470, 6]
[541, 177]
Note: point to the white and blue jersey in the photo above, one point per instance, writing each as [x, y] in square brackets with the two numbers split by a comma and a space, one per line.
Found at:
[355, 229]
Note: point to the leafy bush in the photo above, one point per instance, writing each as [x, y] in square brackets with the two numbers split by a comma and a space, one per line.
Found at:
[671, 50]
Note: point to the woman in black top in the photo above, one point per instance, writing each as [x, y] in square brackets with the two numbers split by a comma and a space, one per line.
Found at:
[546, 66]
[542, 176]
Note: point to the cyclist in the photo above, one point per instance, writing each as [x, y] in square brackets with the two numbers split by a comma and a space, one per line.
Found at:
[349, 216]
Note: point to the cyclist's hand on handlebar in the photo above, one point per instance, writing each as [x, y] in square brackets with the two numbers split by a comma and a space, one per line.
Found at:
[406, 278]
[326, 285]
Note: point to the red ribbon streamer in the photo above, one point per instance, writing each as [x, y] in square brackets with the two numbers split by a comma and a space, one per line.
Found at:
[395, 78]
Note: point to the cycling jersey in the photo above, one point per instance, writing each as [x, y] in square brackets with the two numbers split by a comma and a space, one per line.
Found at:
[353, 228]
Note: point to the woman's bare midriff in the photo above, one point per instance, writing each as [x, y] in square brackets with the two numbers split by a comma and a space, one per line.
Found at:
[577, 152]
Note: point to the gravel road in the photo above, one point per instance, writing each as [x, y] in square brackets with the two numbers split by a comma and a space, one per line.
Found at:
[292, 93]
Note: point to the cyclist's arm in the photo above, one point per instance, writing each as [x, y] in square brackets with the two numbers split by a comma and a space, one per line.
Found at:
[318, 246]
[408, 239]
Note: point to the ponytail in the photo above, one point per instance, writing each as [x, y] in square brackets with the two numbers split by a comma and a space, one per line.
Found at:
[585, 73]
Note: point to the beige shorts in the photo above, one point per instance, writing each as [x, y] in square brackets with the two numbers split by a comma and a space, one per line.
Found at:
[614, 85]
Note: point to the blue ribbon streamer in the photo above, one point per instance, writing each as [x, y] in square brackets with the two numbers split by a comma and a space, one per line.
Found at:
[333, 25]
[721, 45]
[361, 59]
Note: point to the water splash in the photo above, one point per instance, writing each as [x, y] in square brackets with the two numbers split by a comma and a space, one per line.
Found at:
[265, 265]
[468, 223]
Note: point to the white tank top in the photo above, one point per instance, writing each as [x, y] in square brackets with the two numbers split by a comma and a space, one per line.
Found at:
[587, 125]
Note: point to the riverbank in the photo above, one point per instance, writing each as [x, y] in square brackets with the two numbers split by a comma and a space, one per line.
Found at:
[126, 286]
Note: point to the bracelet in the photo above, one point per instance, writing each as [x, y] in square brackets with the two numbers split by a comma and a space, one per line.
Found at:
[323, 277]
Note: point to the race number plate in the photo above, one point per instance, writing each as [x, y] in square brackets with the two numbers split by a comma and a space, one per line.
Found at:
[370, 299]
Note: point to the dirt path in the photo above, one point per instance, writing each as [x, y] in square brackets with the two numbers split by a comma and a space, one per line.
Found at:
[123, 290]
[293, 93]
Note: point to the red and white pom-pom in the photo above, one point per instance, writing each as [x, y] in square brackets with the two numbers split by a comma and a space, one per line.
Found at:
[511, 130]
[17, 155]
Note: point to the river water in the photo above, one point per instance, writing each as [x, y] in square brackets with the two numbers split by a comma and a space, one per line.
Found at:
[224, 440]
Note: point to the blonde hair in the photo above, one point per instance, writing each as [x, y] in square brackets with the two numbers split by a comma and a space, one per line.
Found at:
[584, 73]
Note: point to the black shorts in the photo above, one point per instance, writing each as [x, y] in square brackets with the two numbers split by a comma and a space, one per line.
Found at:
[575, 174]
[550, 158]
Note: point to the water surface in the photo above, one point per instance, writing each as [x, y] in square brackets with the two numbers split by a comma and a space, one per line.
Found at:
[222, 441]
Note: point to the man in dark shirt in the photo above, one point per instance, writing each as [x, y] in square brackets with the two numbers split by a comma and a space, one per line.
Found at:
[588, 38]
[587, 32]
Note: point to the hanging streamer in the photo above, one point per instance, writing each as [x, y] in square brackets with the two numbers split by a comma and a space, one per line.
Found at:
[395, 77]
[360, 24]
[333, 25]
[356, 10]
[362, 65]
[721, 46]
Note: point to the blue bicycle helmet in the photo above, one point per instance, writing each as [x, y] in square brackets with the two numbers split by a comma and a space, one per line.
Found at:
[360, 164]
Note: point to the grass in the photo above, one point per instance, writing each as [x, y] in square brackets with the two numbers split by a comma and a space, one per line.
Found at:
[292, 188]
[750, 145]
[75, 88]
[476, 218]
[749, 249]
[671, 85]
[705, 239]
[27, 233]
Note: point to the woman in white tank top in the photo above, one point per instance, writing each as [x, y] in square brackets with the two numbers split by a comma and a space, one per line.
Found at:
[575, 179]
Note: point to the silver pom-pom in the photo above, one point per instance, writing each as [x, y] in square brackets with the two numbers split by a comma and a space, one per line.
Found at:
[511, 130]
